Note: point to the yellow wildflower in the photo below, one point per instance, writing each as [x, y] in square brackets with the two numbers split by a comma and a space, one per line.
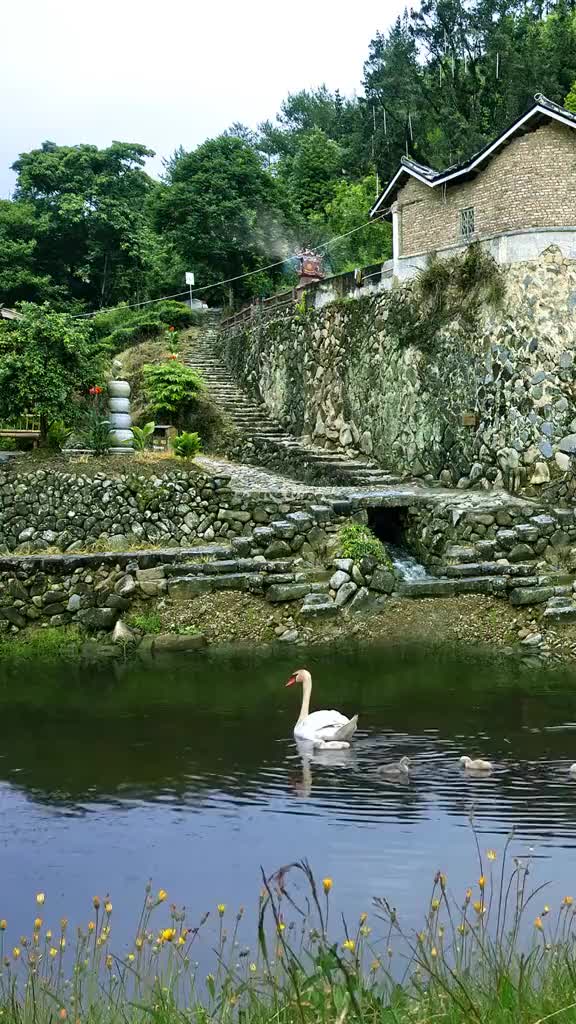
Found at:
[48, 935]
[435, 904]
[91, 926]
[3, 924]
[442, 879]
[64, 923]
[327, 884]
[139, 943]
[53, 952]
[546, 910]
[181, 940]
[253, 968]
[131, 957]
[37, 924]
[40, 897]
[433, 952]
[421, 936]
[363, 917]
[349, 944]
[478, 906]
[468, 895]
[281, 926]
[538, 924]
[62, 943]
[568, 901]
[374, 965]
[109, 961]
[108, 907]
[491, 854]
[481, 881]
[365, 930]
[168, 934]
[162, 894]
[96, 902]
[16, 952]
[462, 929]
[221, 908]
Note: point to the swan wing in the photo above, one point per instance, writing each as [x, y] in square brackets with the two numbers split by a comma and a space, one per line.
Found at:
[320, 725]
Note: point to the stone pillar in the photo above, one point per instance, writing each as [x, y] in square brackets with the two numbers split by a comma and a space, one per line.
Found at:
[121, 436]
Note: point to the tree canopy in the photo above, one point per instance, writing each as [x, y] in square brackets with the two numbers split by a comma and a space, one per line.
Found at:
[88, 227]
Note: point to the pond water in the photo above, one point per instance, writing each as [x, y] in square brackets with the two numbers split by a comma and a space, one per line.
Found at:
[189, 774]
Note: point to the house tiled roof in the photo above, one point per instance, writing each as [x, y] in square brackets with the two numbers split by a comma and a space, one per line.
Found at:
[541, 109]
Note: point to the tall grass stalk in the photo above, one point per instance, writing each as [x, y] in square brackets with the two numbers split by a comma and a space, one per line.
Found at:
[478, 957]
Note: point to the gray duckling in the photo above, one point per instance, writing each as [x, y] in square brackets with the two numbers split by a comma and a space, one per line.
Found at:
[398, 771]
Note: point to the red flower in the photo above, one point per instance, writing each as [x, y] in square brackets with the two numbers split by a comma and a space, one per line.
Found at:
[171, 328]
[95, 390]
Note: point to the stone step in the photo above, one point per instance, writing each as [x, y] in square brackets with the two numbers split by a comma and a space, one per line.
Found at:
[449, 588]
[226, 567]
[486, 569]
[191, 586]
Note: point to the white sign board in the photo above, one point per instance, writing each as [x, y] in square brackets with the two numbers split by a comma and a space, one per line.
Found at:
[189, 277]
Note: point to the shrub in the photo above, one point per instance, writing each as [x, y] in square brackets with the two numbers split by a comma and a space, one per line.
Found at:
[357, 541]
[171, 389]
[58, 435]
[187, 445]
[143, 436]
[94, 430]
[8, 444]
[119, 328]
[146, 622]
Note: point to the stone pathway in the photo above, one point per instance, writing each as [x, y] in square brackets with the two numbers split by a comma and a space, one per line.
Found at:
[251, 479]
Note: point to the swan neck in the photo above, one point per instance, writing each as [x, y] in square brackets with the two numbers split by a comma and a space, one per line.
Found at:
[306, 693]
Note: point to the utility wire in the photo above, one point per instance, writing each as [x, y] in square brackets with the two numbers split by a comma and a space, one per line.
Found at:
[230, 280]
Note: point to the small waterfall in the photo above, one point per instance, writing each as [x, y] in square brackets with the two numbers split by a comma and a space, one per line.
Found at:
[407, 567]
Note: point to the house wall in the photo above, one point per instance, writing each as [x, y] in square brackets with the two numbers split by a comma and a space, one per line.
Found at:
[530, 184]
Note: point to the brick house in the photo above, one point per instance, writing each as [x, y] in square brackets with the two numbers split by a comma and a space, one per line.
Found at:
[517, 195]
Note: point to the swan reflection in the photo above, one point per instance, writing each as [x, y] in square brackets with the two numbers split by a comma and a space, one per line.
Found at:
[309, 756]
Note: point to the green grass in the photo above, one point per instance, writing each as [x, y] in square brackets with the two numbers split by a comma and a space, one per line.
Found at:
[147, 622]
[357, 541]
[493, 953]
[51, 645]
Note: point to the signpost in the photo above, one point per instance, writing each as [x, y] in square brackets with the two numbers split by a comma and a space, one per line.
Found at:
[190, 283]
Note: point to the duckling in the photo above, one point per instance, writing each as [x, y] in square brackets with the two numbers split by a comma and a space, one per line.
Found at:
[400, 770]
[477, 765]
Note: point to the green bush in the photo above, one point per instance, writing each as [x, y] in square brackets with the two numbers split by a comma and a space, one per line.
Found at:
[146, 622]
[58, 434]
[119, 328]
[171, 389]
[8, 444]
[357, 542]
[143, 436]
[187, 445]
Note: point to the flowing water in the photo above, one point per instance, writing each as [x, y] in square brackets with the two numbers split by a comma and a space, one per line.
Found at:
[190, 774]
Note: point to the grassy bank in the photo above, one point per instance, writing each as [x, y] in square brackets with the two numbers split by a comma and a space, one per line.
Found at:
[495, 952]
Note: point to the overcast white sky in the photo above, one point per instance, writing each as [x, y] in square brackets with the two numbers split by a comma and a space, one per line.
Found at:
[170, 72]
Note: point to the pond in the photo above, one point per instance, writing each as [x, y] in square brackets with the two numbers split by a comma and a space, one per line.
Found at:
[189, 774]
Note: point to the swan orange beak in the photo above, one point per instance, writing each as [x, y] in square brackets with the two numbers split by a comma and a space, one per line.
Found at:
[291, 681]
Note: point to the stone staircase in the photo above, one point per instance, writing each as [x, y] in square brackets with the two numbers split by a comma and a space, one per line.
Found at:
[263, 440]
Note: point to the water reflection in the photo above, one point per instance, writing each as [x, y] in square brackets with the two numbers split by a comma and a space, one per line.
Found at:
[193, 776]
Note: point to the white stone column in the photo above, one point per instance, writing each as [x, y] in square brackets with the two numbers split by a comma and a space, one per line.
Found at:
[395, 209]
[119, 417]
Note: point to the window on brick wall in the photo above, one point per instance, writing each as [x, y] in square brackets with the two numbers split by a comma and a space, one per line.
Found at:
[467, 223]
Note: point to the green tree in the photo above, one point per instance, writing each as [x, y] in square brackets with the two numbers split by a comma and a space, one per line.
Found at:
[46, 358]
[92, 204]
[19, 233]
[310, 175]
[223, 214]
[347, 211]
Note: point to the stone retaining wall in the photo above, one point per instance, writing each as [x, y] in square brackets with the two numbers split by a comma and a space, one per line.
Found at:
[491, 408]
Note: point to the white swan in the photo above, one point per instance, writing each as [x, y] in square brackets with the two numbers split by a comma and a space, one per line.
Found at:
[477, 765]
[326, 730]
[399, 771]
[572, 769]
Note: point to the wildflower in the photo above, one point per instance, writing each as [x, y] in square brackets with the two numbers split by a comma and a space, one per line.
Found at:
[281, 926]
[108, 907]
[481, 881]
[327, 884]
[491, 854]
[478, 906]
[374, 965]
[16, 952]
[48, 935]
[53, 951]
[546, 910]
[462, 929]
[131, 957]
[435, 904]
[538, 924]
[162, 894]
[365, 930]
[349, 944]
[421, 937]
[363, 917]
[433, 952]
[40, 897]
[3, 924]
[96, 902]
[181, 940]
[442, 879]
[62, 943]
[221, 908]
[109, 961]
[63, 1014]
[91, 926]
[171, 328]
[168, 934]
[253, 968]
[468, 895]
[568, 901]
[139, 942]
[440, 933]
[37, 924]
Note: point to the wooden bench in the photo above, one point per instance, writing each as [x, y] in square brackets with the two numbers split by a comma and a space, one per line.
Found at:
[27, 430]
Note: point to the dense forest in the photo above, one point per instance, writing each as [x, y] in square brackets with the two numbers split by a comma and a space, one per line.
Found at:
[89, 228]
